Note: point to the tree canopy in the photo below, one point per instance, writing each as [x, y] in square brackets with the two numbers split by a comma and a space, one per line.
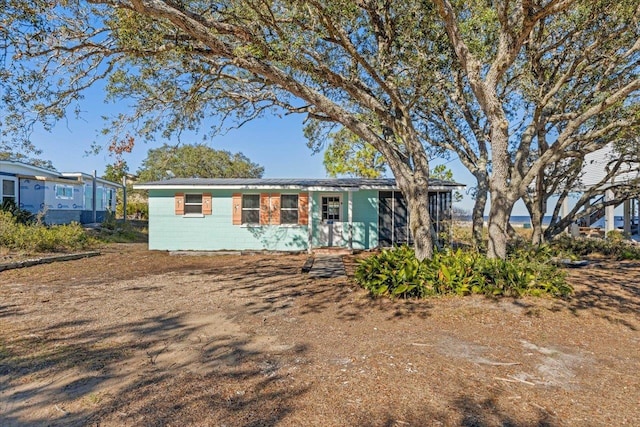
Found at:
[196, 161]
[510, 87]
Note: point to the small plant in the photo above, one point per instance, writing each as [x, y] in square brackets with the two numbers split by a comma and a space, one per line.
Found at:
[397, 273]
[616, 236]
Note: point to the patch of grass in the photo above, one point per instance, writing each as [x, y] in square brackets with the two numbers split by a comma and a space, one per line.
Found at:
[37, 237]
[397, 273]
[118, 231]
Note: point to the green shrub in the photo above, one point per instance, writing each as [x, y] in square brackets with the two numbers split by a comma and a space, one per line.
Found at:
[397, 272]
[568, 247]
[37, 237]
[20, 216]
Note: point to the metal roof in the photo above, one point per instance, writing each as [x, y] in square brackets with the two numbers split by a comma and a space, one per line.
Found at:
[323, 183]
[50, 174]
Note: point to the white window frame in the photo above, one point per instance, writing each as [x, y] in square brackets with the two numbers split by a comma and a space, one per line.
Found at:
[243, 209]
[322, 216]
[186, 203]
[13, 196]
[64, 187]
[297, 208]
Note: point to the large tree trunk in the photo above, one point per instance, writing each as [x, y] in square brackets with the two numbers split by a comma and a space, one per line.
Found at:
[535, 209]
[499, 184]
[537, 237]
[415, 189]
[477, 215]
[499, 213]
[420, 221]
[414, 185]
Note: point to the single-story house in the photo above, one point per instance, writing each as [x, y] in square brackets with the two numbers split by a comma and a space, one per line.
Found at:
[284, 214]
[61, 197]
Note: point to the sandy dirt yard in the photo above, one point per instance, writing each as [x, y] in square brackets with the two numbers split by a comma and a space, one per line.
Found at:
[143, 338]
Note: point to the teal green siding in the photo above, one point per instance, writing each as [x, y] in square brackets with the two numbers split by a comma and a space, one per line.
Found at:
[168, 231]
[365, 219]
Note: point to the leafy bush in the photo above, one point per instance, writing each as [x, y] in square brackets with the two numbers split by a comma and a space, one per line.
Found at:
[397, 272]
[137, 210]
[21, 216]
[37, 237]
[569, 247]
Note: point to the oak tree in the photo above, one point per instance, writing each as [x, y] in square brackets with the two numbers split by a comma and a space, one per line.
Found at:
[509, 86]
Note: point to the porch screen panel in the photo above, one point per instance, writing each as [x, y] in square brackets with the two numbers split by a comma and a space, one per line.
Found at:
[385, 218]
[400, 220]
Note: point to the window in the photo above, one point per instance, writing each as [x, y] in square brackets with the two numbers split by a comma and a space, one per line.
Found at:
[192, 204]
[64, 192]
[195, 205]
[331, 208]
[289, 209]
[250, 208]
[110, 198]
[8, 190]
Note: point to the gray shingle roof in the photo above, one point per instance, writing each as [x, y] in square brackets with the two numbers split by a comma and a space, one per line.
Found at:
[289, 182]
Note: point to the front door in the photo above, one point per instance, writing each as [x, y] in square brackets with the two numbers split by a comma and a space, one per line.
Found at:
[331, 226]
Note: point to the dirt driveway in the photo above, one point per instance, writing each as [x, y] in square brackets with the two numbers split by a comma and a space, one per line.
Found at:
[143, 338]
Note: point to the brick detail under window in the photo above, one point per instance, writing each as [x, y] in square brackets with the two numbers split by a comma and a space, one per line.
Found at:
[303, 208]
[236, 205]
[207, 209]
[179, 203]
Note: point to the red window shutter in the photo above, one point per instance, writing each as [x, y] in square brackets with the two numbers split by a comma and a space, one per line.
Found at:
[206, 204]
[303, 208]
[179, 203]
[236, 205]
[264, 208]
[275, 209]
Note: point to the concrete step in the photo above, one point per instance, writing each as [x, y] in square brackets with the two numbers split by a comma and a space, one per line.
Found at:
[332, 250]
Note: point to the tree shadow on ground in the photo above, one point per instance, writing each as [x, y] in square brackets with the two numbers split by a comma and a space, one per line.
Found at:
[282, 284]
[53, 376]
[610, 290]
[465, 411]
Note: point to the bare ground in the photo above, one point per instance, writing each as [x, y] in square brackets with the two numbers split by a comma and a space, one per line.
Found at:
[134, 337]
